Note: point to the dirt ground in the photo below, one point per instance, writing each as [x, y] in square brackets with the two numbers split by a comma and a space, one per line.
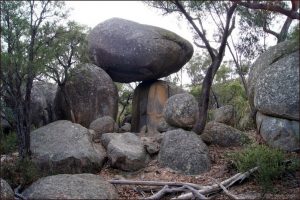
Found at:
[286, 188]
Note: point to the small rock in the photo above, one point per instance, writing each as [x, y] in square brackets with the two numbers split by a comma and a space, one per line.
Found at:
[125, 151]
[225, 115]
[104, 124]
[126, 127]
[181, 110]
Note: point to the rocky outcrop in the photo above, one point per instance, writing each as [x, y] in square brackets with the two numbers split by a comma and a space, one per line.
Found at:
[102, 125]
[277, 89]
[181, 111]
[274, 93]
[184, 151]
[66, 186]
[278, 132]
[129, 51]
[148, 102]
[65, 147]
[92, 94]
[125, 151]
[272, 58]
[42, 103]
[224, 114]
[5, 190]
[222, 135]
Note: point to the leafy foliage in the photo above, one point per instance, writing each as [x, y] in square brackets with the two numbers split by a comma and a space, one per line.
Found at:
[23, 172]
[196, 68]
[233, 93]
[270, 162]
[8, 143]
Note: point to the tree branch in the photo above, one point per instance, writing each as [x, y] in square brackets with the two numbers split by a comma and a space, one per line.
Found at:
[275, 8]
[202, 36]
[269, 31]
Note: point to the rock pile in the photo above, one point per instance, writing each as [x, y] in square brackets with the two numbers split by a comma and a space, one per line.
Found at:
[274, 93]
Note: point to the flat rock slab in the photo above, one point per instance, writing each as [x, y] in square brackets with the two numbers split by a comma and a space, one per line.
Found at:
[125, 151]
[129, 51]
[66, 186]
[66, 147]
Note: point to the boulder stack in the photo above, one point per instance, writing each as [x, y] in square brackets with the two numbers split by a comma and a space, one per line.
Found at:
[274, 94]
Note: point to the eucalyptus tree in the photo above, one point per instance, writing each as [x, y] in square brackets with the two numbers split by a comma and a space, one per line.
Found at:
[263, 13]
[195, 12]
[222, 16]
[69, 49]
[25, 33]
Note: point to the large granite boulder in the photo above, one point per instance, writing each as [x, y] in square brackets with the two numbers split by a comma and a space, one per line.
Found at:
[66, 147]
[184, 151]
[42, 103]
[274, 81]
[129, 51]
[278, 132]
[5, 190]
[125, 151]
[274, 92]
[92, 94]
[149, 99]
[67, 186]
[181, 110]
[102, 125]
[224, 114]
[222, 135]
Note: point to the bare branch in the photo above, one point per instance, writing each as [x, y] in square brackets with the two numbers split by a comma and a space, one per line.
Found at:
[153, 183]
[202, 36]
[275, 8]
[204, 47]
[232, 196]
[269, 31]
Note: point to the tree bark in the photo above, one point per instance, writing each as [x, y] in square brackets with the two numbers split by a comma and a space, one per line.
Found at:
[284, 30]
[67, 101]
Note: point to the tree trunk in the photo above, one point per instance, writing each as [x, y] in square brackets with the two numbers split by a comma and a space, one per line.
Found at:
[215, 97]
[68, 103]
[23, 130]
[204, 96]
[284, 30]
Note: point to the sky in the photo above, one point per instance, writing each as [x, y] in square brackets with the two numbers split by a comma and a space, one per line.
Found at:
[92, 13]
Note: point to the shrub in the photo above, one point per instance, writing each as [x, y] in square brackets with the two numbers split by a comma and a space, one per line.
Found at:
[8, 143]
[22, 172]
[270, 162]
